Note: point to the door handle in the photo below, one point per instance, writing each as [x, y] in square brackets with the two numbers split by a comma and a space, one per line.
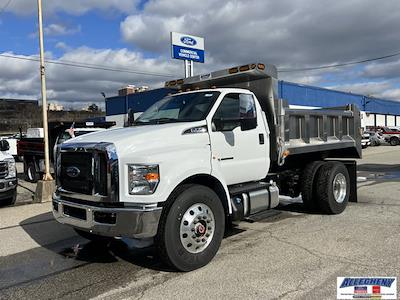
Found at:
[261, 139]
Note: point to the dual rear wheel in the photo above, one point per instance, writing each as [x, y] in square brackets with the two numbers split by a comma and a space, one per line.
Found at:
[326, 186]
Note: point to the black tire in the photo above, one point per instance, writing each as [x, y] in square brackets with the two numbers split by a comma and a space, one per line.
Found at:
[168, 239]
[394, 141]
[324, 187]
[31, 174]
[307, 185]
[11, 200]
[93, 237]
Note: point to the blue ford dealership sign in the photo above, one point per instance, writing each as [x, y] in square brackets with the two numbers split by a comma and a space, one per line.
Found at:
[187, 47]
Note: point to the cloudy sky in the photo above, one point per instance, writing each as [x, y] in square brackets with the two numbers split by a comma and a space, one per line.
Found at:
[134, 35]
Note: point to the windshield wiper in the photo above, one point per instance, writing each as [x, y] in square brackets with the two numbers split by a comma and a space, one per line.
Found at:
[138, 122]
[163, 120]
[160, 121]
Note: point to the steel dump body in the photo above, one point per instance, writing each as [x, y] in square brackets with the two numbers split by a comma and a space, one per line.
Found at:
[327, 132]
[326, 129]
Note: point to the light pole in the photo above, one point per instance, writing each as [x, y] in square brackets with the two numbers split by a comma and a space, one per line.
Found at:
[47, 176]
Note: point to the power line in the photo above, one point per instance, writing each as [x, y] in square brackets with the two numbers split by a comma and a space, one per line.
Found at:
[339, 65]
[89, 66]
[5, 6]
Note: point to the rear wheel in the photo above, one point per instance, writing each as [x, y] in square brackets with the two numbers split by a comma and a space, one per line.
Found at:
[308, 186]
[31, 173]
[394, 141]
[191, 228]
[333, 187]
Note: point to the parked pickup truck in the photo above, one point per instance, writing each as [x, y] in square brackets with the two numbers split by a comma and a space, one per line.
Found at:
[8, 175]
[220, 150]
[391, 135]
[32, 149]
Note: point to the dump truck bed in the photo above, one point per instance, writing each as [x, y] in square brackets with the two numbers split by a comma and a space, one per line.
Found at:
[323, 130]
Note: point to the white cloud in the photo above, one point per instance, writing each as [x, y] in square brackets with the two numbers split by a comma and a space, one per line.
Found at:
[60, 29]
[76, 85]
[63, 46]
[392, 94]
[375, 89]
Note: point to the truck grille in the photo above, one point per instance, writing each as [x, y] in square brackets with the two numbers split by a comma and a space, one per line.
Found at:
[76, 174]
[3, 170]
[87, 171]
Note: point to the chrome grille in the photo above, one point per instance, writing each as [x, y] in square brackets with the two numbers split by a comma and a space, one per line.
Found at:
[87, 171]
[82, 180]
[3, 169]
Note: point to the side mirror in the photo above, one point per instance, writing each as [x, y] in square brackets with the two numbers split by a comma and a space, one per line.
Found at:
[4, 145]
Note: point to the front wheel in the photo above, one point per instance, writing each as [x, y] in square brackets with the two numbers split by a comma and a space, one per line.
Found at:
[191, 227]
[11, 200]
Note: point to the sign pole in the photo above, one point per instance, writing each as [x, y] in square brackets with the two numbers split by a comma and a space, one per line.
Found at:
[47, 176]
[186, 64]
[191, 69]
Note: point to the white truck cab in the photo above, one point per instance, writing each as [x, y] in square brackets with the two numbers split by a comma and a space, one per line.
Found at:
[222, 151]
[8, 175]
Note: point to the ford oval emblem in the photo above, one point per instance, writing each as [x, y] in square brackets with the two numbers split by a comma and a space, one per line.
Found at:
[187, 40]
[73, 172]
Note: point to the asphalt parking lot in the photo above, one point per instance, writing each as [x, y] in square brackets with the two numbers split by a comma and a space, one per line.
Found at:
[291, 255]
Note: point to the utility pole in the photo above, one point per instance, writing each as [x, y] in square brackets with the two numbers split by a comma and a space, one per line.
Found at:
[47, 176]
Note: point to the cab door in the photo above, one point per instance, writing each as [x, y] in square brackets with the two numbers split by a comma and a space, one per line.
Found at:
[239, 139]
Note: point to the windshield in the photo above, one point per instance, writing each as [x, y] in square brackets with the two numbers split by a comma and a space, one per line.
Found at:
[179, 108]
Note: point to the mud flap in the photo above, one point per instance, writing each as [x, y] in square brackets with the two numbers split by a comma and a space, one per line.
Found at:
[351, 166]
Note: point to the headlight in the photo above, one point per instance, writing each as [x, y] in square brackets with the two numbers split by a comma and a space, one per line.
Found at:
[12, 171]
[143, 179]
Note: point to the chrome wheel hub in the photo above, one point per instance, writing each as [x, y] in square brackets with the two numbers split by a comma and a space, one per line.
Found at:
[339, 188]
[197, 228]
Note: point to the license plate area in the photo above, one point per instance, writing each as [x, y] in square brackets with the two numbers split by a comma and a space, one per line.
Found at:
[74, 212]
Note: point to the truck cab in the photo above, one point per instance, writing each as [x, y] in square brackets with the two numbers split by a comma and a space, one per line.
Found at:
[220, 150]
[8, 175]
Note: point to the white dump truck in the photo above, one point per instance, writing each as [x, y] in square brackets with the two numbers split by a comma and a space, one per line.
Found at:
[8, 175]
[222, 149]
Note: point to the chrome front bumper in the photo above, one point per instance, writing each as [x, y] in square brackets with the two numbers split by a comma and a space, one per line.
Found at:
[134, 222]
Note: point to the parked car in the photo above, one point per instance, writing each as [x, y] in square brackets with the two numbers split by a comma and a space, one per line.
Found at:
[375, 138]
[365, 139]
[391, 135]
[8, 175]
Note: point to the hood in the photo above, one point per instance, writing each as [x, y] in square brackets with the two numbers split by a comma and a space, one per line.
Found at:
[146, 138]
[4, 155]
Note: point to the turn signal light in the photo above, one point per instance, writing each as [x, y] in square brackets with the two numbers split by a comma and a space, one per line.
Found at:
[286, 153]
[261, 66]
[152, 176]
